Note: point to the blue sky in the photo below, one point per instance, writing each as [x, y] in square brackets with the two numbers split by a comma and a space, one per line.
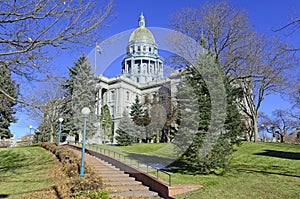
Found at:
[264, 15]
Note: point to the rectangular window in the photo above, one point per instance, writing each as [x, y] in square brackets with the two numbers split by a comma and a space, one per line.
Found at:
[113, 112]
[112, 95]
[127, 95]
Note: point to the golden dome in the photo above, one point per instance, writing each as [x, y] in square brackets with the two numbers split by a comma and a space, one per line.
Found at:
[142, 34]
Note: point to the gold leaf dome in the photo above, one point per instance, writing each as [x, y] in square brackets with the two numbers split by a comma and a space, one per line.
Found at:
[142, 34]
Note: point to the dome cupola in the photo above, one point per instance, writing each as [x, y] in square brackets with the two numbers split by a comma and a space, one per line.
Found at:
[142, 62]
[142, 34]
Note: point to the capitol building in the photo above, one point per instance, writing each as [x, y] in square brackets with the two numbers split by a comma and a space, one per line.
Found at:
[142, 76]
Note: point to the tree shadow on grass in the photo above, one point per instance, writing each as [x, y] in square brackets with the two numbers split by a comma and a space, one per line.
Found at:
[16, 165]
[154, 161]
[280, 154]
[4, 195]
[21, 169]
[266, 172]
[165, 164]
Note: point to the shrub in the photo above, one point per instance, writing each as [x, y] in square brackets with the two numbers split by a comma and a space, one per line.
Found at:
[71, 166]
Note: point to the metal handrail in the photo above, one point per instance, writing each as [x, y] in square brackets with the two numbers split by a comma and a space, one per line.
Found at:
[129, 161]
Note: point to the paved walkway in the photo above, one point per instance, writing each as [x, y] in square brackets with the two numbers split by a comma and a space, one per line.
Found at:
[117, 182]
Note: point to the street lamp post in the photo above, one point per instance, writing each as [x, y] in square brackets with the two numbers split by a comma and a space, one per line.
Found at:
[37, 132]
[59, 134]
[30, 127]
[85, 111]
[263, 127]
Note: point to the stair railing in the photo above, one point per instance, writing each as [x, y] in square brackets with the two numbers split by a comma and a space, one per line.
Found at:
[132, 162]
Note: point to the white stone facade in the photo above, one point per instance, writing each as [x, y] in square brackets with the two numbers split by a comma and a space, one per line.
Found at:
[142, 75]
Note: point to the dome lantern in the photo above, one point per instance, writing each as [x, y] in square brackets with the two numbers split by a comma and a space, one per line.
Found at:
[142, 20]
[142, 34]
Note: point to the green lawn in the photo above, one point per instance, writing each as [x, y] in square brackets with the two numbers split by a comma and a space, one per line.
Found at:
[24, 170]
[258, 170]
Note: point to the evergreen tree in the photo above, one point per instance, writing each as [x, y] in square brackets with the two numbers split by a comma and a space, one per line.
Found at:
[106, 123]
[67, 108]
[207, 146]
[137, 112]
[127, 131]
[7, 104]
[80, 92]
[123, 138]
[141, 119]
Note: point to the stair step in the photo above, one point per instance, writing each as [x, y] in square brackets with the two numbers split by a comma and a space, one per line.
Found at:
[108, 171]
[120, 183]
[116, 175]
[135, 194]
[118, 178]
[128, 188]
[104, 167]
[100, 165]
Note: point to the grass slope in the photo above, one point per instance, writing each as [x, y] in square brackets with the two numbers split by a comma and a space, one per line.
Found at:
[24, 170]
[258, 170]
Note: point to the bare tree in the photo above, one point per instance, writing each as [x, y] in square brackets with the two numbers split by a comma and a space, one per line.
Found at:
[279, 125]
[33, 32]
[264, 72]
[255, 64]
[294, 97]
[291, 28]
[47, 100]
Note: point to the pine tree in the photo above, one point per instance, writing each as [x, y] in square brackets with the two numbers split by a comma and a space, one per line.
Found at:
[207, 135]
[123, 138]
[67, 110]
[6, 106]
[80, 92]
[141, 119]
[106, 123]
[137, 112]
[127, 131]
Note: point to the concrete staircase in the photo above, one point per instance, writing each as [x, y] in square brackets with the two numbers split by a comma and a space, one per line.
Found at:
[119, 184]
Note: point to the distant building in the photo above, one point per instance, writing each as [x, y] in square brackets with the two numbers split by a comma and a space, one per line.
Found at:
[24, 140]
[293, 137]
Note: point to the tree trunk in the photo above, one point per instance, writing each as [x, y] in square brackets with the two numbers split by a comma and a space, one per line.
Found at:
[255, 127]
[51, 134]
[281, 138]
